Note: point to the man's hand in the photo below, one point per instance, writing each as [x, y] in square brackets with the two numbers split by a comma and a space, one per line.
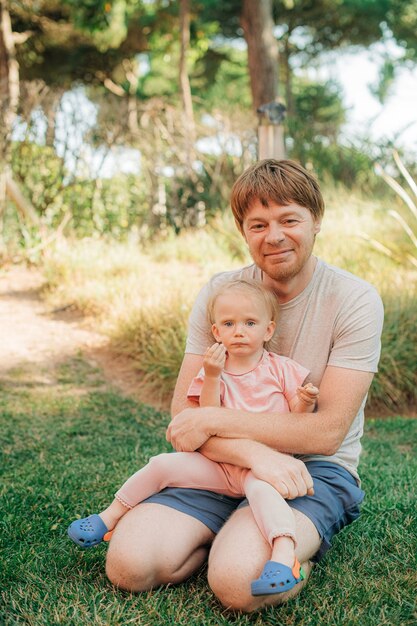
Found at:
[289, 476]
[214, 360]
[189, 430]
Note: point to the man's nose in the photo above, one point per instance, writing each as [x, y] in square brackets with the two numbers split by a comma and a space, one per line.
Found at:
[275, 234]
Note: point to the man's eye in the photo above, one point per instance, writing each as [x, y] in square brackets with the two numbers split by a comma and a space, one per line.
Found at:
[257, 226]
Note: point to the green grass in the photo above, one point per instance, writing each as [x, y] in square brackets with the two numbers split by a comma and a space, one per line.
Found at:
[67, 445]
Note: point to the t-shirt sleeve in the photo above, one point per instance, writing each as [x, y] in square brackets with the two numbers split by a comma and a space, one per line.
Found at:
[199, 336]
[357, 336]
[290, 375]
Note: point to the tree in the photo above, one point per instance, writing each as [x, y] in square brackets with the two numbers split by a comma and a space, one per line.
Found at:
[258, 28]
[184, 81]
[257, 25]
[9, 100]
[9, 94]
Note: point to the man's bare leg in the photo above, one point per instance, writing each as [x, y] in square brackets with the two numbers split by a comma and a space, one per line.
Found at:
[155, 545]
[239, 553]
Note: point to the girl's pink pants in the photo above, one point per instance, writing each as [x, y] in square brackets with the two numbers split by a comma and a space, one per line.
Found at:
[193, 470]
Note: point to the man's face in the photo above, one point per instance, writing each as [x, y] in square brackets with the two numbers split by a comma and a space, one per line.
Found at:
[280, 238]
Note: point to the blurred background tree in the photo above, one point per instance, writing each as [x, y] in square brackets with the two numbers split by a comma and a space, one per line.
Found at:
[124, 123]
[164, 92]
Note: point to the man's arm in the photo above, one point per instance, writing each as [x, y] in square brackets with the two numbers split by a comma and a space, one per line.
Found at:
[191, 365]
[341, 394]
[286, 474]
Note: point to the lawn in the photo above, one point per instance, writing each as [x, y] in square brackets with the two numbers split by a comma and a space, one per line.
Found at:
[67, 445]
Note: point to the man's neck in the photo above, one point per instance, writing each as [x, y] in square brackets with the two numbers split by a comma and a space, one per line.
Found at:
[290, 288]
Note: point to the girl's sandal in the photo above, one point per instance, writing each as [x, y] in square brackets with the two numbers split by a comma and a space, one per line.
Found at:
[89, 532]
[277, 578]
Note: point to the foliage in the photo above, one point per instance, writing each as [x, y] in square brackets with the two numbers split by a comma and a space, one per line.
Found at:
[395, 384]
[96, 206]
[70, 443]
[126, 289]
[153, 338]
[407, 224]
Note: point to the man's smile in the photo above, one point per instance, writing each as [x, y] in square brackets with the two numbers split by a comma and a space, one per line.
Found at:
[280, 253]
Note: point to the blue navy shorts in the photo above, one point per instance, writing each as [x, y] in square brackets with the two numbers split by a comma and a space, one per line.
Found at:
[335, 502]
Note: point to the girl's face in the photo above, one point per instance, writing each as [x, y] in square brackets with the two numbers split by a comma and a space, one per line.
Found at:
[241, 323]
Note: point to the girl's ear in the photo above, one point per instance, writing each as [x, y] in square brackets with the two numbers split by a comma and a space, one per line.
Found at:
[270, 330]
[215, 332]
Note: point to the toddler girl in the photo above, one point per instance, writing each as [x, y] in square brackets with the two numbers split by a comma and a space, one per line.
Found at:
[237, 373]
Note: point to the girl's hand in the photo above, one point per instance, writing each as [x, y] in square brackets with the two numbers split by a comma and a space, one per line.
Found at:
[214, 360]
[308, 394]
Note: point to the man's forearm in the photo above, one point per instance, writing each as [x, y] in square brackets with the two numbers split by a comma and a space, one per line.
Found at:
[238, 452]
[289, 433]
[341, 394]
[286, 474]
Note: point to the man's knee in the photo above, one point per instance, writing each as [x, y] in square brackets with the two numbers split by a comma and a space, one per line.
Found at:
[127, 570]
[237, 558]
[231, 588]
[233, 591]
[154, 545]
[123, 572]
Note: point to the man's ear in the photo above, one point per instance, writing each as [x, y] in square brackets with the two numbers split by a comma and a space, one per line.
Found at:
[215, 332]
[270, 330]
[317, 225]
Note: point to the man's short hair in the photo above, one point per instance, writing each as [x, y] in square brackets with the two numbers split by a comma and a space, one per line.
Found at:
[281, 182]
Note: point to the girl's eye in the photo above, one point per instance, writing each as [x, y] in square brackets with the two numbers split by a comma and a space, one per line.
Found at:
[250, 323]
[228, 323]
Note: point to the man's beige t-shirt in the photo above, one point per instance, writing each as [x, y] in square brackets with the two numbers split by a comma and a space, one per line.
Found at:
[337, 320]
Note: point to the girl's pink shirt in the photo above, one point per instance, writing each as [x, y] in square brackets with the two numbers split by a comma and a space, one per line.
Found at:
[268, 387]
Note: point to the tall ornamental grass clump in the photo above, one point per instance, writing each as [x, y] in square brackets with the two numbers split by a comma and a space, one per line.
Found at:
[394, 387]
[153, 338]
[405, 254]
[141, 296]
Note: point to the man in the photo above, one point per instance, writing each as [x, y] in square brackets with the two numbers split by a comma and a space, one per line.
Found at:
[330, 322]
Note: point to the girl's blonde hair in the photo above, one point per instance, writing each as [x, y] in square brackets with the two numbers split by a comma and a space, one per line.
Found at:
[249, 287]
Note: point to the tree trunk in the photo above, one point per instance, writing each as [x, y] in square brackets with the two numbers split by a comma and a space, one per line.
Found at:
[285, 59]
[188, 115]
[9, 95]
[258, 28]
[257, 23]
[50, 108]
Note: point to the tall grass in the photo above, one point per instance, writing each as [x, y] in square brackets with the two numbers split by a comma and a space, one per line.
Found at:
[141, 297]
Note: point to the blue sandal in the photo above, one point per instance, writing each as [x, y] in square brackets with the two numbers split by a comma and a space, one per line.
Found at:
[277, 578]
[88, 532]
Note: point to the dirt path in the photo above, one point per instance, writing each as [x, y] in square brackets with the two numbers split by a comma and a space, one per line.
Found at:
[35, 340]
[30, 334]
